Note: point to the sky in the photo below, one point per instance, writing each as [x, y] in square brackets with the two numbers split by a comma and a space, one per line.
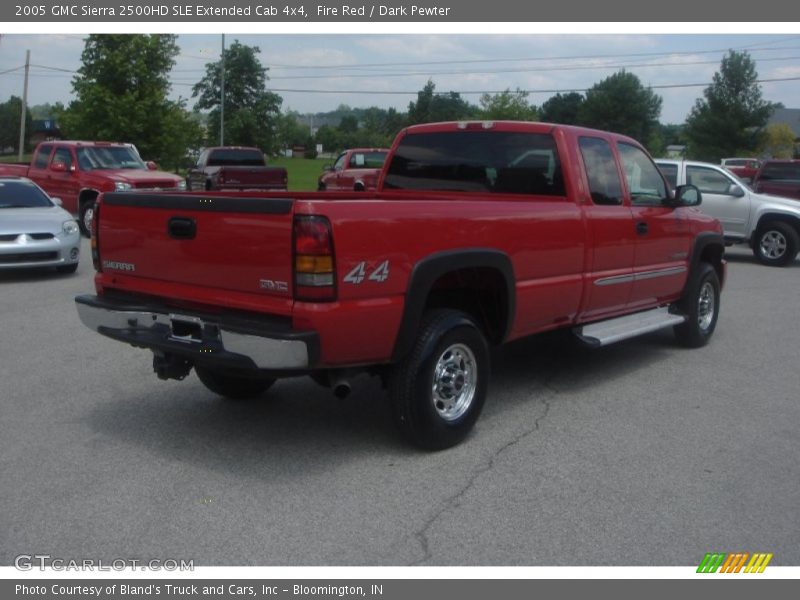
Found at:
[318, 72]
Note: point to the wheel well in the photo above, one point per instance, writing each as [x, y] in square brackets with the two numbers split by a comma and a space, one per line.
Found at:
[86, 196]
[481, 292]
[793, 222]
[712, 254]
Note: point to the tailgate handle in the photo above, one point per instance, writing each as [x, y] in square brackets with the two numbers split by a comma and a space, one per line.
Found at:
[182, 228]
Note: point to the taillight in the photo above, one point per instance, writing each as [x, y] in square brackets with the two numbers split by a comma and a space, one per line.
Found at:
[314, 274]
[94, 233]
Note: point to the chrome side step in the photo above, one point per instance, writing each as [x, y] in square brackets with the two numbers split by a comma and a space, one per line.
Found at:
[607, 332]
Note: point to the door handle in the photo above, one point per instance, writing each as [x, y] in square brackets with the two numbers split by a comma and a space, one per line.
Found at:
[641, 228]
[182, 228]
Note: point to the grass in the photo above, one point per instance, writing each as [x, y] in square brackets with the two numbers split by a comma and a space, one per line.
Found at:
[303, 172]
[12, 158]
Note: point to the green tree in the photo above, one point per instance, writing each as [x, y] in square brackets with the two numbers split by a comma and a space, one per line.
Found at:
[252, 113]
[620, 103]
[730, 118]
[291, 130]
[508, 105]
[122, 88]
[562, 108]
[9, 124]
[431, 107]
[779, 141]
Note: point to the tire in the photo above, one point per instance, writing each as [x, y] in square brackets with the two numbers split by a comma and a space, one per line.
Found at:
[700, 304]
[320, 187]
[67, 268]
[435, 396]
[359, 187]
[86, 216]
[776, 244]
[232, 386]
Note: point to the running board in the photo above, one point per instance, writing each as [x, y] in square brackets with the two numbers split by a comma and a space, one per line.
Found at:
[604, 333]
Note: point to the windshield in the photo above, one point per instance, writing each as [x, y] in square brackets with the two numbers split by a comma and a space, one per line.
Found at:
[22, 194]
[780, 172]
[108, 157]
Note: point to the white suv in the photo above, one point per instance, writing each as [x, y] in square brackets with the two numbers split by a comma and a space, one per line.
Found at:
[769, 224]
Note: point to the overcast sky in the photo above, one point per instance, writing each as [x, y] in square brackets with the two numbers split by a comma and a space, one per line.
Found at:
[317, 72]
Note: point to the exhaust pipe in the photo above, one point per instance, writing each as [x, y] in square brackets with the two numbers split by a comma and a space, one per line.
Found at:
[341, 389]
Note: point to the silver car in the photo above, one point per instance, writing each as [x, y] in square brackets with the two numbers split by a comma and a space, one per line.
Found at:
[34, 230]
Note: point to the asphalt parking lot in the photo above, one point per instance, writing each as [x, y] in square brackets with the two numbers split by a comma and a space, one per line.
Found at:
[643, 453]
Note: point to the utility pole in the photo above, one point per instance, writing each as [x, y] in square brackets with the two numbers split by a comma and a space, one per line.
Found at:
[222, 95]
[24, 106]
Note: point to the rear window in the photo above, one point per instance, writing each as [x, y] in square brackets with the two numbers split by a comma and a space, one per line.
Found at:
[236, 158]
[780, 171]
[21, 194]
[477, 161]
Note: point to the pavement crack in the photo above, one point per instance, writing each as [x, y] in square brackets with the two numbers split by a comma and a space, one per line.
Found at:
[454, 501]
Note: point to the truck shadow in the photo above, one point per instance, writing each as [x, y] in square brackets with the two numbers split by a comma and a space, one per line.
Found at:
[297, 419]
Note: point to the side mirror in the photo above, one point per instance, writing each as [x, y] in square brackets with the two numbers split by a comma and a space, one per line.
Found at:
[58, 166]
[57, 201]
[687, 195]
[735, 191]
[151, 166]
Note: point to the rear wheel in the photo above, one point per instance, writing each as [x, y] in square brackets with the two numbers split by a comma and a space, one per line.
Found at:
[232, 386]
[700, 304]
[438, 391]
[776, 244]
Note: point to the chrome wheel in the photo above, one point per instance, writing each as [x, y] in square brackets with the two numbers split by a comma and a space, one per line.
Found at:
[773, 244]
[88, 216]
[706, 305]
[454, 382]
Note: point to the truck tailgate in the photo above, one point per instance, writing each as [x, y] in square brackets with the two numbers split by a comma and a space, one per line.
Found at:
[209, 240]
[250, 177]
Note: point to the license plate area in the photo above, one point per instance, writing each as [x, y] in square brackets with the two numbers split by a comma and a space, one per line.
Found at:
[186, 329]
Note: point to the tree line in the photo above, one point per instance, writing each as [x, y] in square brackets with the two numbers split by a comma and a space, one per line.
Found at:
[122, 88]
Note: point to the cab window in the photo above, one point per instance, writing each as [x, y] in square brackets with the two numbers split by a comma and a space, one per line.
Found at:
[645, 184]
[601, 171]
[62, 155]
[43, 156]
[708, 181]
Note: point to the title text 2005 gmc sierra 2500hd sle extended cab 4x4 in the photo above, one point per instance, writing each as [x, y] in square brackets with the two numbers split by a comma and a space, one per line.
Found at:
[479, 233]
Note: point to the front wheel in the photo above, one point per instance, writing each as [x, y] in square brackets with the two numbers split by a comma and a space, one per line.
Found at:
[232, 386]
[776, 244]
[85, 218]
[700, 304]
[438, 391]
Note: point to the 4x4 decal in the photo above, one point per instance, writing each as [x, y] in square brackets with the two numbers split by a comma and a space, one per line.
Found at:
[359, 273]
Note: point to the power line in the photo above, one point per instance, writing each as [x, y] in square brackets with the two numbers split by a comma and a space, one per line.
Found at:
[472, 92]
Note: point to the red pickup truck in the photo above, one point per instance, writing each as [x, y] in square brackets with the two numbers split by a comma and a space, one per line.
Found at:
[355, 170]
[480, 233]
[77, 172]
[235, 168]
[779, 178]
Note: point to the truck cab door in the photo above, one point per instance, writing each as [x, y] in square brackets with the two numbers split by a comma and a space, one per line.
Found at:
[611, 234]
[663, 232]
[723, 198]
[64, 183]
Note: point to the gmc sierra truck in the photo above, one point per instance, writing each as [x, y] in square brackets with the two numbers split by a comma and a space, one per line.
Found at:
[235, 168]
[770, 225]
[78, 172]
[480, 233]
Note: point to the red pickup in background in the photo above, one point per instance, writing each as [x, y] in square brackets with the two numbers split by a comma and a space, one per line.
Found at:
[779, 178]
[235, 168]
[77, 172]
[356, 170]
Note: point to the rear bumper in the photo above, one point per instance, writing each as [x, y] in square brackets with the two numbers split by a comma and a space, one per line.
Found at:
[216, 340]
